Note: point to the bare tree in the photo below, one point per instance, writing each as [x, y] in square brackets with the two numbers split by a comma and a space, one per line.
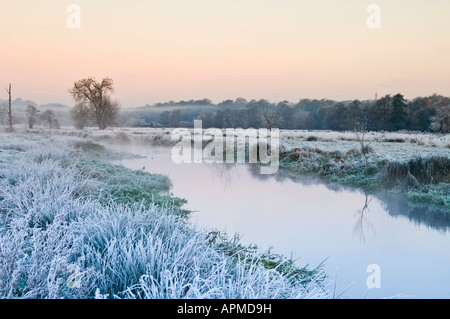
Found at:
[4, 115]
[440, 122]
[365, 148]
[32, 115]
[55, 124]
[80, 115]
[8, 90]
[94, 98]
[49, 117]
[361, 220]
[271, 117]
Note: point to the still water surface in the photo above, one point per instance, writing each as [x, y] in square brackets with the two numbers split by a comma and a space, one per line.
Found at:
[312, 221]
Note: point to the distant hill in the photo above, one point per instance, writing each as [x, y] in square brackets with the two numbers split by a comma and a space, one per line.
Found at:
[54, 106]
[23, 103]
[20, 104]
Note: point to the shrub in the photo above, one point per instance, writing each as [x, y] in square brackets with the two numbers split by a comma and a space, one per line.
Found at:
[121, 136]
[394, 140]
[89, 146]
[312, 138]
[418, 141]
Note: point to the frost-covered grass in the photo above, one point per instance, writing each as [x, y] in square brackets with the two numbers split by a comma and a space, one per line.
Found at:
[421, 178]
[348, 168]
[124, 186]
[436, 194]
[337, 157]
[390, 145]
[152, 136]
[61, 238]
[405, 142]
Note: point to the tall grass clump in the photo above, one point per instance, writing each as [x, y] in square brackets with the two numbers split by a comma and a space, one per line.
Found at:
[121, 136]
[422, 179]
[351, 168]
[312, 138]
[60, 238]
[420, 171]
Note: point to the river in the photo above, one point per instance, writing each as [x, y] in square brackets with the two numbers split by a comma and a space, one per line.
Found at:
[313, 221]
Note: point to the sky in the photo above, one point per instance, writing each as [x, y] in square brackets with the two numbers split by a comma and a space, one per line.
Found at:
[161, 50]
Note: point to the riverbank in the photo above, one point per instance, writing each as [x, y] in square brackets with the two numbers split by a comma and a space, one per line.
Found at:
[421, 179]
[411, 164]
[74, 226]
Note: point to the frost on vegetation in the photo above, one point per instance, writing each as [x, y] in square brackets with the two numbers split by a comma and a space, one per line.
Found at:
[53, 227]
[420, 174]
[124, 186]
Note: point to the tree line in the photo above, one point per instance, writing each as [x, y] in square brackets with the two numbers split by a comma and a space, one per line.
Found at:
[95, 106]
[389, 113]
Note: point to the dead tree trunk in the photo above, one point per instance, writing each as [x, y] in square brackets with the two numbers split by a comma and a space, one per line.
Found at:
[8, 90]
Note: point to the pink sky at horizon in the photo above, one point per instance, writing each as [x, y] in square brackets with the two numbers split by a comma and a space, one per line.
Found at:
[163, 50]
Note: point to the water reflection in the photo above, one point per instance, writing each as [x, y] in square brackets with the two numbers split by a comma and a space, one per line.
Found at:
[420, 214]
[362, 222]
[224, 172]
[396, 206]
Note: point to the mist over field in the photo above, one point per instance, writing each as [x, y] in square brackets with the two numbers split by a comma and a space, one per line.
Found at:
[246, 151]
[126, 235]
[390, 113]
[89, 212]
